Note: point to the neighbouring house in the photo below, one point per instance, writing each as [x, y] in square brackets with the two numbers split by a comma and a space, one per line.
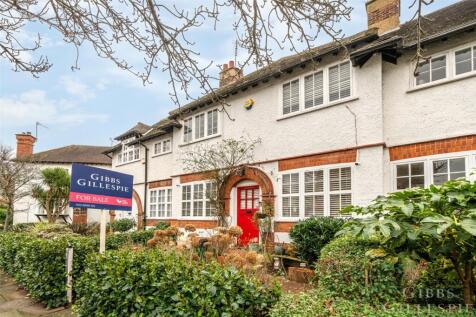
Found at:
[28, 209]
[338, 126]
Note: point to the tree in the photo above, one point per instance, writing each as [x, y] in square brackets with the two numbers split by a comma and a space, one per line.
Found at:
[439, 221]
[219, 161]
[16, 177]
[53, 192]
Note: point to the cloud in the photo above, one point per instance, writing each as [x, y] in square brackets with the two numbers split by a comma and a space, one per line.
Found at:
[76, 88]
[34, 105]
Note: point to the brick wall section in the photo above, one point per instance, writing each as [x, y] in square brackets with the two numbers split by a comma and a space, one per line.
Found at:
[80, 216]
[283, 226]
[200, 224]
[194, 177]
[161, 183]
[383, 14]
[343, 156]
[458, 144]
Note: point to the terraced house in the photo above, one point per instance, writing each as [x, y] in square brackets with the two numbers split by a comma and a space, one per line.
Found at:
[338, 126]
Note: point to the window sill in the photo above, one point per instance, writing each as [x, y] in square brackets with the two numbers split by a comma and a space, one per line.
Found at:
[161, 154]
[312, 109]
[441, 82]
[122, 164]
[200, 140]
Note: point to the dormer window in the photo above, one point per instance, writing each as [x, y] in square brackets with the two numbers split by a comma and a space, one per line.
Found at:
[129, 153]
[201, 126]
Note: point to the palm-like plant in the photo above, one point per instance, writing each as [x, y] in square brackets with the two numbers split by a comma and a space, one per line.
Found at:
[53, 192]
[425, 223]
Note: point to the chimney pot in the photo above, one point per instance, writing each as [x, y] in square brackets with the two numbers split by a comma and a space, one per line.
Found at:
[25, 142]
[383, 15]
[225, 66]
[231, 64]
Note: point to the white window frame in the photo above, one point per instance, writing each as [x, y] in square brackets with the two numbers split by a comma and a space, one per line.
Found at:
[204, 201]
[205, 136]
[160, 144]
[326, 96]
[326, 169]
[167, 203]
[470, 161]
[450, 67]
[472, 46]
[127, 151]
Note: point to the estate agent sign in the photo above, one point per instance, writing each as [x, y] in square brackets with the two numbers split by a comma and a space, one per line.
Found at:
[98, 188]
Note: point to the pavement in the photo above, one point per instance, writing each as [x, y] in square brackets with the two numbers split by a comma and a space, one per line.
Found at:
[15, 302]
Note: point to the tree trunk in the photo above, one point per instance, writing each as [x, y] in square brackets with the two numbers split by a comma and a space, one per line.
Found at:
[9, 217]
[468, 287]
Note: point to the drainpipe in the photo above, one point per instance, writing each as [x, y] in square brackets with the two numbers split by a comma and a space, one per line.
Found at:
[146, 168]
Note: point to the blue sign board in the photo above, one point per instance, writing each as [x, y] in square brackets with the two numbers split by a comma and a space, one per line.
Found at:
[98, 188]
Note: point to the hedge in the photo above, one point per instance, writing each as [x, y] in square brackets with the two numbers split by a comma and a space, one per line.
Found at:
[38, 264]
[159, 283]
[344, 270]
[319, 303]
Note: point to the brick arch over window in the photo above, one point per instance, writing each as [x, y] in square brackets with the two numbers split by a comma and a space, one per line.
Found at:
[140, 210]
[252, 174]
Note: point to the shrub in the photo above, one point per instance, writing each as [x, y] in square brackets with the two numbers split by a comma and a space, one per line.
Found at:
[162, 225]
[310, 235]
[344, 270]
[3, 215]
[38, 264]
[85, 229]
[119, 240]
[23, 227]
[123, 225]
[318, 303]
[158, 283]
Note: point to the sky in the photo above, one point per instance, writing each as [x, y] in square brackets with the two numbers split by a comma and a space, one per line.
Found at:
[94, 104]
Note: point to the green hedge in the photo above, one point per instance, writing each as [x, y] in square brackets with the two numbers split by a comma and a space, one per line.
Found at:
[157, 283]
[319, 303]
[311, 235]
[123, 225]
[38, 264]
[344, 270]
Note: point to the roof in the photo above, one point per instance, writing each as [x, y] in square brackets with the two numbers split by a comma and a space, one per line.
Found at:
[139, 129]
[454, 18]
[86, 154]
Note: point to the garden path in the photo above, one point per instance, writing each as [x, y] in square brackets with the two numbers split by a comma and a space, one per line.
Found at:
[15, 302]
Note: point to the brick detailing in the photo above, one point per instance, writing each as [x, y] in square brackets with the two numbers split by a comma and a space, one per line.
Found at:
[252, 174]
[343, 156]
[283, 226]
[25, 142]
[80, 215]
[200, 224]
[187, 178]
[383, 14]
[140, 210]
[458, 144]
[161, 183]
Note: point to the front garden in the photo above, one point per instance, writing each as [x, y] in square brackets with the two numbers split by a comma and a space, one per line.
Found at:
[410, 253]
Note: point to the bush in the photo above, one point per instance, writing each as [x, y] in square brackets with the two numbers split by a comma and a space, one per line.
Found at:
[162, 225]
[318, 303]
[85, 229]
[3, 215]
[344, 270]
[38, 264]
[437, 284]
[23, 227]
[311, 235]
[158, 283]
[123, 225]
[119, 240]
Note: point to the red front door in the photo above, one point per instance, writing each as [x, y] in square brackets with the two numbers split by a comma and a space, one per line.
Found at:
[248, 204]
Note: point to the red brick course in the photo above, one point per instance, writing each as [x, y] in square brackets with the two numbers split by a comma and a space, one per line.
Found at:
[458, 144]
[342, 156]
[161, 183]
[199, 224]
[187, 178]
[283, 226]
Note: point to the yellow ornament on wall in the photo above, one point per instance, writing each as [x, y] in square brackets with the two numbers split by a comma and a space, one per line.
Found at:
[249, 104]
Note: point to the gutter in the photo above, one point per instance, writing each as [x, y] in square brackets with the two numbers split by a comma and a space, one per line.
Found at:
[146, 169]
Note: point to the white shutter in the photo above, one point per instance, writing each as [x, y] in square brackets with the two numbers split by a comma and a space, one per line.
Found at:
[334, 83]
[309, 91]
[345, 178]
[287, 98]
[295, 206]
[314, 90]
[212, 122]
[334, 205]
[314, 205]
[344, 80]
[200, 126]
[295, 95]
[295, 183]
[334, 179]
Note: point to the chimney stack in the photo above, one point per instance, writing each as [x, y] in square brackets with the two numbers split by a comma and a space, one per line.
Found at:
[383, 15]
[229, 74]
[25, 142]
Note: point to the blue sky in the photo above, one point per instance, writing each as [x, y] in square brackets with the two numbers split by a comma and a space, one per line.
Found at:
[99, 101]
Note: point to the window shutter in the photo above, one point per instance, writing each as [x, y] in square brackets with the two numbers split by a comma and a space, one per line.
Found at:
[287, 98]
[344, 80]
[295, 95]
[334, 179]
[291, 97]
[345, 179]
[212, 122]
[314, 90]
[334, 83]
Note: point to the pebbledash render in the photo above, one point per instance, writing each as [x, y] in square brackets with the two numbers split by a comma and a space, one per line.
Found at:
[337, 131]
